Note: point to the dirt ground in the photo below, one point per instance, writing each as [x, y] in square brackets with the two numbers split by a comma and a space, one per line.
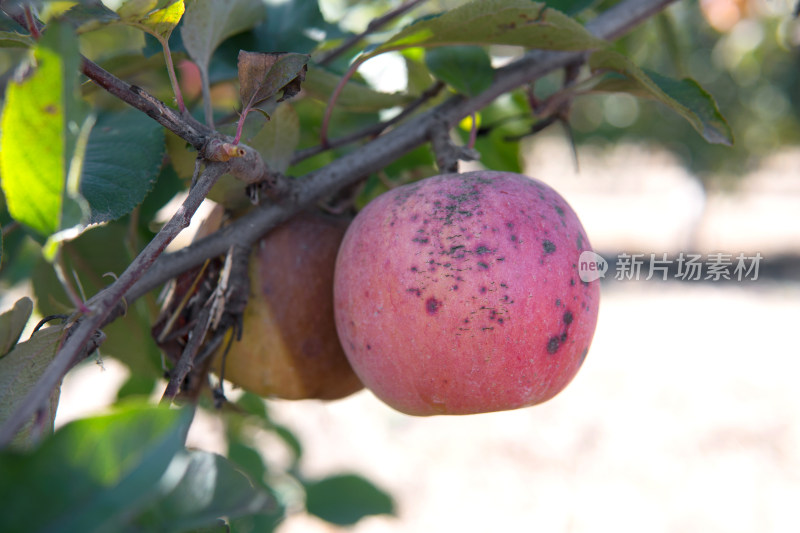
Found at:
[685, 417]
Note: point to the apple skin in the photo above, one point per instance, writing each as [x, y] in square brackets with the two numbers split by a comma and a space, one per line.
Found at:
[460, 294]
[289, 347]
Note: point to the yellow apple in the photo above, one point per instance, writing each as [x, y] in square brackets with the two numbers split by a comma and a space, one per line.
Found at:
[289, 347]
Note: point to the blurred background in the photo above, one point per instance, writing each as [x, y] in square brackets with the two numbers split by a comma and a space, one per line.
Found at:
[686, 415]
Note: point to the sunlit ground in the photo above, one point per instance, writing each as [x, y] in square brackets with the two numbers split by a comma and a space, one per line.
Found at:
[685, 417]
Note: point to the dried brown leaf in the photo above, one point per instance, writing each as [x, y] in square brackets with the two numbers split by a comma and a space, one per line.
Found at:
[263, 75]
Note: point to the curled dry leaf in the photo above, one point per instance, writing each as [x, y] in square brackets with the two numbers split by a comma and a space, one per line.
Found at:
[263, 75]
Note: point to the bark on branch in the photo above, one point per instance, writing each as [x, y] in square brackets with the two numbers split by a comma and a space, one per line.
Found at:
[390, 146]
[150, 269]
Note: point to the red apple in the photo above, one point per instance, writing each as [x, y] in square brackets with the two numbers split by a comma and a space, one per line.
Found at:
[460, 294]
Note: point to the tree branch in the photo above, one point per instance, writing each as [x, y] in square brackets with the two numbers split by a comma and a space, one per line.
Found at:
[376, 154]
[373, 130]
[150, 269]
[183, 125]
[105, 301]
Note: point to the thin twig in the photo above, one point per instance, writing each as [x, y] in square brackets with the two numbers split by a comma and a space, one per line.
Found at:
[186, 361]
[372, 130]
[173, 79]
[103, 303]
[371, 27]
[326, 117]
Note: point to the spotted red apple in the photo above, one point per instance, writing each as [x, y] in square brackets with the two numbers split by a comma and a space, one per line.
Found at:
[460, 294]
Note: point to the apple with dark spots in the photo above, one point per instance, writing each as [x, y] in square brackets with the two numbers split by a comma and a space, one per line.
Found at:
[289, 347]
[460, 294]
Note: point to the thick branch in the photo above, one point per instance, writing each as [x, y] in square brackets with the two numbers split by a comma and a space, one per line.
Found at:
[388, 147]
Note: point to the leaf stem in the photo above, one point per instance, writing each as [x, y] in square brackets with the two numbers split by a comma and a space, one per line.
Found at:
[173, 79]
[326, 119]
[61, 274]
[208, 107]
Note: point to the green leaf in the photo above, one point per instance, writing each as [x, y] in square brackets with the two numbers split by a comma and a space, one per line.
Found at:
[12, 322]
[287, 26]
[160, 22]
[9, 24]
[135, 10]
[499, 153]
[355, 97]
[136, 386]
[41, 124]
[122, 163]
[210, 487]
[571, 7]
[252, 404]
[247, 460]
[20, 252]
[290, 439]
[19, 371]
[511, 22]
[157, 18]
[255, 524]
[468, 69]
[685, 96]
[278, 138]
[94, 473]
[168, 184]
[207, 23]
[12, 35]
[10, 39]
[89, 17]
[689, 94]
[346, 499]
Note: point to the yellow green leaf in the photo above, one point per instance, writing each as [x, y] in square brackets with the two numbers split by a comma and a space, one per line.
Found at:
[510, 22]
